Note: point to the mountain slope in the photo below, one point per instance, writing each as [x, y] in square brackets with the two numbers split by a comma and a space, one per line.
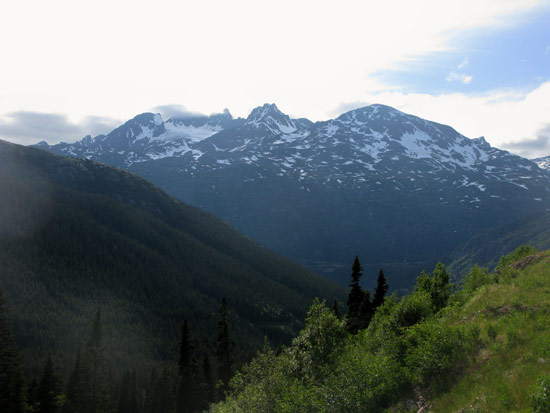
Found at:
[76, 235]
[488, 246]
[484, 349]
[394, 188]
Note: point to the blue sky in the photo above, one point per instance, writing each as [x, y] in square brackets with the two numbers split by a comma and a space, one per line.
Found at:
[77, 68]
[515, 57]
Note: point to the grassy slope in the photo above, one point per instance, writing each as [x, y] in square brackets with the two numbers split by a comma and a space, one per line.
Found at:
[410, 357]
[503, 373]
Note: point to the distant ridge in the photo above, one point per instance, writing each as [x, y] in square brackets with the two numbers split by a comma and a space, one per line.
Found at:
[392, 187]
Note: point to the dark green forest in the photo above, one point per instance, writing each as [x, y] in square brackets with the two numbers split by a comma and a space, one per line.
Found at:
[79, 239]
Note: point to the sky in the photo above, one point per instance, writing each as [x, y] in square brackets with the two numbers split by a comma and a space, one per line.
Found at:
[72, 68]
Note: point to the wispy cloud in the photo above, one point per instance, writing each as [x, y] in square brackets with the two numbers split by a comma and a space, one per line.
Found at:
[460, 77]
[502, 116]
[464, 63]
[175, 110]
[27, 127]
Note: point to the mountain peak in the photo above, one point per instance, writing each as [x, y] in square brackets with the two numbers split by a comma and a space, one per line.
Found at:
[365, 113]
[272, 118]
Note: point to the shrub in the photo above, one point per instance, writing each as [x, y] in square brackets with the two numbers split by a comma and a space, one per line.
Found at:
[433, 349]
[540, 399]
[519, 253]
[492, 332]
[412, 309]
[478, 277]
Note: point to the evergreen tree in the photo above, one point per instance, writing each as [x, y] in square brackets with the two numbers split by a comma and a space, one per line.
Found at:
[356, 297]
[12, 383]
[77, 388]
[163, 400]
[185, 351]
[127, 395]
[188, 396]
[381, 290]
[224, 351]
[207, 382]
[150, 392]
[437, 285]
[336, 310]
[366, 312]
[94, 363]
[49, 389]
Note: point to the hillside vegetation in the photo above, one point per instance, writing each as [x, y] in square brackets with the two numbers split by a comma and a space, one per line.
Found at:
[77, 236]
[486, 247]
[484, 348]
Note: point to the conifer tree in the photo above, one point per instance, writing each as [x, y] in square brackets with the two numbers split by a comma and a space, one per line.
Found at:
[336, 310]
[381, 290]
[207, 384]
[355, 297]
[127, 397]
[366, 311]
[163, 400]
[77, 387]
[150, 393]
[185, 351]
[188, 396]
[49, 389]
[95, 365]
[224, 351]
[12, 383]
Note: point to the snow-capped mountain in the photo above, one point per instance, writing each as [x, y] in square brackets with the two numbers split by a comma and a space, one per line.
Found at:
[374, 181]
[543, 163]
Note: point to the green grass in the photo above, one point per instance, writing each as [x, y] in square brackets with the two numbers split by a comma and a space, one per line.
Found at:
[503, 373]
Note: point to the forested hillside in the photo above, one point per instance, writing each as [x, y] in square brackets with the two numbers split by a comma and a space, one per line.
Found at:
[77, 237]
[486, 247]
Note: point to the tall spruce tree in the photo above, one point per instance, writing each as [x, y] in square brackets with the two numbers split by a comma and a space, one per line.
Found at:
[188, 395]
[336, 310]
[94, 362]
[207, 383]
[78, 391]
[12, 383]
[366, 312]
[224, 351]
[49, 389]
[356, 297]
[381, 290]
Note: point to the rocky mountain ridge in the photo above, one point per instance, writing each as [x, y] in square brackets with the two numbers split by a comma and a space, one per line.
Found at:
[374, 180]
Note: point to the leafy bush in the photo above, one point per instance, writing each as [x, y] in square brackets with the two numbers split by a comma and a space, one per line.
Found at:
[412, 309]
[318, 343]
[540, 399]
[437, 285]
[520, 252]
[477, 278]
[433, 348]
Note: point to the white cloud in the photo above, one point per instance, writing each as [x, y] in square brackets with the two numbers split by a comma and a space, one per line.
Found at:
[121, 58]
[509, 119]
[464, 63]
[461, 77]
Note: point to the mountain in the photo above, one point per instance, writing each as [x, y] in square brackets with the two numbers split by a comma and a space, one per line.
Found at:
[396, 189]
[487, 247]
[76, 236]
[543, 163]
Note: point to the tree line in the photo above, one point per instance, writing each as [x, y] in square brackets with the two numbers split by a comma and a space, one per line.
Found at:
[92, 387]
